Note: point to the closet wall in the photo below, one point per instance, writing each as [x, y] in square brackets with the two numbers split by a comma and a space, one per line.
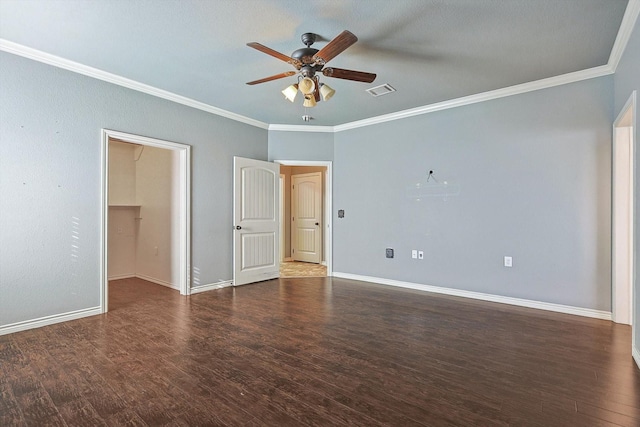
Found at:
[143, 213]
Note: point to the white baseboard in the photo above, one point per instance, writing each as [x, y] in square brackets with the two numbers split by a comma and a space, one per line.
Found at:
[578, 311]
[157, 281]
[121, 276]
[48, 320]
[636, 356]
[211, 286]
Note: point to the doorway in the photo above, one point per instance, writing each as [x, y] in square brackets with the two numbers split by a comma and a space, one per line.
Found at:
[122, 207]
[307, 237]
[623, 188]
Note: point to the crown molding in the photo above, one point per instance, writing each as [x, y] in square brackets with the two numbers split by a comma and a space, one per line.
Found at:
[577, 76]
[563, 79]
[56, 61]
[624, 33]
[301, 128]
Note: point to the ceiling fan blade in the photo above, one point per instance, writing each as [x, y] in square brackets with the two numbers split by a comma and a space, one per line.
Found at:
[281, 56]
[275, 77]
[335, 47]
[357, 76]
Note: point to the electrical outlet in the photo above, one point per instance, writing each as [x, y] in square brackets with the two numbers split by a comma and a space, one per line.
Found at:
[389, 252]
[508, 261]
[420, 255]
[414, 254]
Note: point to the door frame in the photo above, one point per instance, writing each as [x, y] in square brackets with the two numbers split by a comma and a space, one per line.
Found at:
[327, 234]
[620, 309]
[281, 182]
[184, 209]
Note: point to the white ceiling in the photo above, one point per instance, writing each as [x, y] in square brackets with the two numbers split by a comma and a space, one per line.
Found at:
[429, 50]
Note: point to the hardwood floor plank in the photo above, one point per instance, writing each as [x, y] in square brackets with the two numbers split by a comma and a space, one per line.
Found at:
[80, 413]
[317, 352]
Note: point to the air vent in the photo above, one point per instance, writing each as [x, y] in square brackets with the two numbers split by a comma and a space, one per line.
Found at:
[381, 90]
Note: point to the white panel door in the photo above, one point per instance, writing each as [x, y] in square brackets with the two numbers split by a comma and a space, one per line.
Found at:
[256, 221]
[306, 217]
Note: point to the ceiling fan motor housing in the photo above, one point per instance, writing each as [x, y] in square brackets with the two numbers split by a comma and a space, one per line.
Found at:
[308, 39]
[305, 55]
[310, 71]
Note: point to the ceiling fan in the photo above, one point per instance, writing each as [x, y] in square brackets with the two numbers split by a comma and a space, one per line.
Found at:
[308, 61]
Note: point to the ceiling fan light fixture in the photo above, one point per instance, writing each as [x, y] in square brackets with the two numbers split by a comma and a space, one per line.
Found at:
[309, 101]
[326, 91]
[291, 92]
[307, 86]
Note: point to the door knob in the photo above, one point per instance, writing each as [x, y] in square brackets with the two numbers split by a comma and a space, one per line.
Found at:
[237, 227]
[317, 223]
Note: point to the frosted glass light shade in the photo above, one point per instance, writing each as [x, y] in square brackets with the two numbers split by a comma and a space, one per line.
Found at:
[291, 92]
[309, 101]
[326, 92]
[307, 86]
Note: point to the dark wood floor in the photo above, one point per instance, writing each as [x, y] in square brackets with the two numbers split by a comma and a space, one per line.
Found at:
[317, 351]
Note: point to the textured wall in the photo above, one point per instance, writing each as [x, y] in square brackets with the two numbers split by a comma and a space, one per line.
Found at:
[300, 145]
[528, 176]
[158, 234]
[50, 148]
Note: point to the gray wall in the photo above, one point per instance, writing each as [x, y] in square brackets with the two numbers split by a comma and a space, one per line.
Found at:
[627, 79]
[300, 145]
[532, 173]
[50, 148]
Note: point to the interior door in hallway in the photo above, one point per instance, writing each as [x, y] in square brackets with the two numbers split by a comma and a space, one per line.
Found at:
[256, 221]
[306, 217]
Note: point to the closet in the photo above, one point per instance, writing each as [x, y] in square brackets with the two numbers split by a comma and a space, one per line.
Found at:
[143, 227]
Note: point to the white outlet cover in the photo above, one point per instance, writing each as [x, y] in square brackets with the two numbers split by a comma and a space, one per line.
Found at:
[420, 255]
[508, 261]
[414, 254]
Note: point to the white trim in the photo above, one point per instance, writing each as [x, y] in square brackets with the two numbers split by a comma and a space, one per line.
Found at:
[590, 73]
[104, 223]
[281, 185]
[158, 282]
[624, 33]
[56, 61]
[623, 311]
[121, 276]
[301, 128]
[636, 356]
[578, 311]
[184, 252]
[211, 286]
[577, 76]
[328, 204]
[49, 320]
[603, 70]
[622, 38]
